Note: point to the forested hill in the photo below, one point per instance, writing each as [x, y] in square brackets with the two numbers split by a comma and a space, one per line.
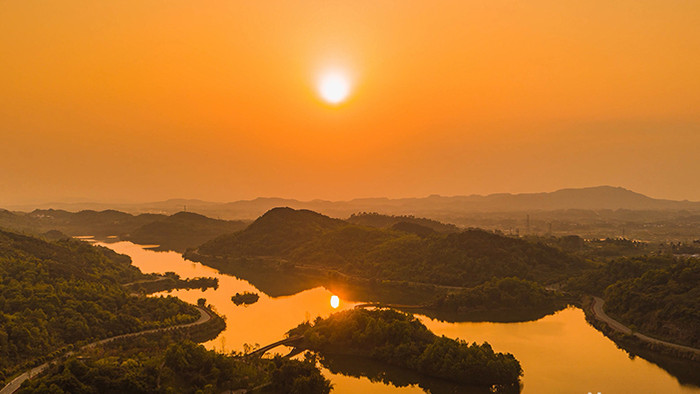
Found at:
[67, 258]
[183, 230]
[276, 233]
[97, 223]
[53, 294]
[657, 295]
[177, 232]
[306, 238]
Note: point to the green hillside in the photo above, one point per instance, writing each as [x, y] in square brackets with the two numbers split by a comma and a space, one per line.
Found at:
[305, 238]
[53, 294]
[657, 295]
[276, 233]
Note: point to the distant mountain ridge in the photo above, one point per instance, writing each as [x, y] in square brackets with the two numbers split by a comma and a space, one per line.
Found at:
[182, 230]
[179, 231]
[590, 198]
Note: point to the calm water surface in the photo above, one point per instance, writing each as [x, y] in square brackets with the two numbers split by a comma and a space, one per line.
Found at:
[560, 353]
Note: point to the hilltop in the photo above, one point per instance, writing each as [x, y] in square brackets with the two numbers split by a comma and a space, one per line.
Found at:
[182, 230]
[275, 233]
[305, 238]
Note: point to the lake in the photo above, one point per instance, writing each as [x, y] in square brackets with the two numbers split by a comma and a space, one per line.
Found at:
[560, 353]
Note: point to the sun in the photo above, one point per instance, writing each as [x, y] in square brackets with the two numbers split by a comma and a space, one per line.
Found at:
[334, 87]
[335, 301]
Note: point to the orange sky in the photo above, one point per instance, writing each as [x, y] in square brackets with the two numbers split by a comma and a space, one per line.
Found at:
[137, 100]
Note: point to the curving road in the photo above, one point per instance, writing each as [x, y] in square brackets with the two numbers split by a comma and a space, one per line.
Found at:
[597, 308]
[14, 385]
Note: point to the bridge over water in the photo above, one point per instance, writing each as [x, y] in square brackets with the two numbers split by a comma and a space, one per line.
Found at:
[264, 349]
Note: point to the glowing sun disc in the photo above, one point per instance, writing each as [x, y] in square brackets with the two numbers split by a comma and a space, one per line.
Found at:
[335, 301]
[334, 87]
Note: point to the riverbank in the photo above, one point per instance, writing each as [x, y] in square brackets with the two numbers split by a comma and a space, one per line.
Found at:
[619, 333]
[562, 344]
[280, 277]
[400, 339]
[208, 323]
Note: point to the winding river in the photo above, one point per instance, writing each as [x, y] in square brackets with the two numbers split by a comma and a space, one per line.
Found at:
[560, 353]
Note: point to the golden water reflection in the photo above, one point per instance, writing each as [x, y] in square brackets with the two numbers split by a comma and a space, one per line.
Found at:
[560, 353]
[335, 302]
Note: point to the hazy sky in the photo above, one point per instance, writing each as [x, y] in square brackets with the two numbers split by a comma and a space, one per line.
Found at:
[136, 100]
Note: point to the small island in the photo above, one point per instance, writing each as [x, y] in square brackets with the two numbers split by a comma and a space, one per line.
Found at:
[245, 298]
[399, 339]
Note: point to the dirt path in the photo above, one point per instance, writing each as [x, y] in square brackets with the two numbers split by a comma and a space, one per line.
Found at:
[14, 385]
[600, 314]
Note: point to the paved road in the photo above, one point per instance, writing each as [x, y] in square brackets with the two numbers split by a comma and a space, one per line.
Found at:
[601, 315]
[16, 382]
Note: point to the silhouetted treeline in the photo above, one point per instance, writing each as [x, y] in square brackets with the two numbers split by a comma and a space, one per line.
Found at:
[245, 298]
[374, 219]
[402, 340]
[501, 294]
[171, 280]
[182, 230]
[97, 223]
[177, 232]
[599, 248]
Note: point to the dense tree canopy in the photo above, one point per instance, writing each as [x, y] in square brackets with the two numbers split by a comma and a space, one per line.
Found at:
[658, 295]
[402, 340]
[605, 273]
[663, 302]
[507, 293]
[53, 294]
[184, 367]
[467, 258]
[176, 232]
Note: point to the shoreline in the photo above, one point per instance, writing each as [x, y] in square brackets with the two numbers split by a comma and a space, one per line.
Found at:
[620, 333]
